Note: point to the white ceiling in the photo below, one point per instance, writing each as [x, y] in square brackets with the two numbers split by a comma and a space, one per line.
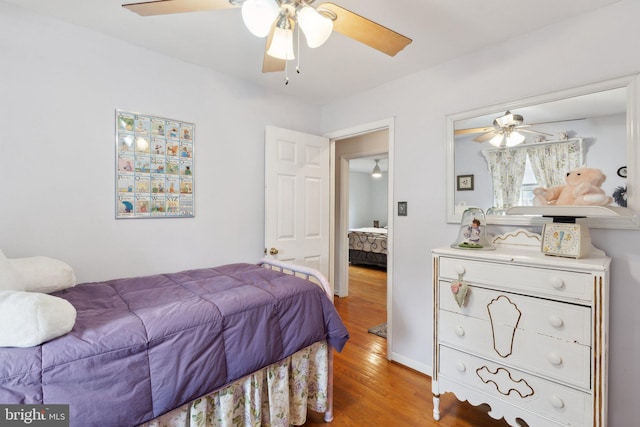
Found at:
[441, 30]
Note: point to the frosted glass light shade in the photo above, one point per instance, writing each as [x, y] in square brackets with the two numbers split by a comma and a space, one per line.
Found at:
[316, 28]
[514, 138]
[376, 172]
[496, 140]
[258, 16]
[282, 44]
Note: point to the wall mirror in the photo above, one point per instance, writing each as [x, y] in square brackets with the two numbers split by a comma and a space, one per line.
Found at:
[600, 122]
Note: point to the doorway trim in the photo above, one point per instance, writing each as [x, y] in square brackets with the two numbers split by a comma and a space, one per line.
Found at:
[338, 247]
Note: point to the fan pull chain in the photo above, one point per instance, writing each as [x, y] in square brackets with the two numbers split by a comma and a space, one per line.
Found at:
[298, 64]
[286, 72]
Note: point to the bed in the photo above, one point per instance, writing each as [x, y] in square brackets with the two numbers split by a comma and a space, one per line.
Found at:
[214, 345]
[368, 246]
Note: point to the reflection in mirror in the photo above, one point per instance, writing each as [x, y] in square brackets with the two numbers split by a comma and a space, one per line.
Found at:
[513, 148]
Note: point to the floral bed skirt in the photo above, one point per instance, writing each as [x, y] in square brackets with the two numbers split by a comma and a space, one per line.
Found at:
[278, 395]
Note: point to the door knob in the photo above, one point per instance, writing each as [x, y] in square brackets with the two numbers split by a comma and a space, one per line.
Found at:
[273, 251]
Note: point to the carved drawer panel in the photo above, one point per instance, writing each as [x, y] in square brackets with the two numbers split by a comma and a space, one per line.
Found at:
[556, 359]
[549, 399]
[569, 322]
[538, 281]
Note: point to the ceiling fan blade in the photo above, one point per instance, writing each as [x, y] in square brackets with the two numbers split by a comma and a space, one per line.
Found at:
[558, 121]
[269, 63]
[365, 31]
[166, 7]
[535, 131]
[487, 136]
[473, 130]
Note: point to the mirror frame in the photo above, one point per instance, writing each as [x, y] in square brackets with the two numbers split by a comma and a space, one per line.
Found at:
[632, 221]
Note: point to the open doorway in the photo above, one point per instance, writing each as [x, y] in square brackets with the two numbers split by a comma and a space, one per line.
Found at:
[368, 211]
[361, 147]
[362, 225]
[360, 199]
[367, 240]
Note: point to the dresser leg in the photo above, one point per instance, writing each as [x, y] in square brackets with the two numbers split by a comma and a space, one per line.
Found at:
[436, 407]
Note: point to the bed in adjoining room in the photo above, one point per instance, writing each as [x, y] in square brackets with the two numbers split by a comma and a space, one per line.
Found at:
[238, 344]
[368, 246]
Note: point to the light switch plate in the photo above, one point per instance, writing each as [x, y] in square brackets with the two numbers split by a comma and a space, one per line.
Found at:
[402, 208]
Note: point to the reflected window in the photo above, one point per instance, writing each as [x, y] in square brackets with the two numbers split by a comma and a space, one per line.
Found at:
[529, 182]
[515, 172]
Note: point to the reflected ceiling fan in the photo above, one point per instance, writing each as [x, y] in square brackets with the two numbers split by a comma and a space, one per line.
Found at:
[277, 19]
[506, 128]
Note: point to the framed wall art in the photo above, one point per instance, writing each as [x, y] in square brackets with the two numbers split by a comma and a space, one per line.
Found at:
[464, 183]
[154, 166]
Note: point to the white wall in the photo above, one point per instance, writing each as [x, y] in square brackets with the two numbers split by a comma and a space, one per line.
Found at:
[379, 199]
[588, 49]
[59, 87]
[367, 199]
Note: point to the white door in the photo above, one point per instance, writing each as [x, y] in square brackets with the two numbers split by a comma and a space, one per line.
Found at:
[297, 213]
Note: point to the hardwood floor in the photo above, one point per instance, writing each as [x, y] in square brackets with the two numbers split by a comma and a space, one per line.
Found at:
[371, 391]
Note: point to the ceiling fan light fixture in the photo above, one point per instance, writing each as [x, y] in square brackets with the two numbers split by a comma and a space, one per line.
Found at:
[514, 138]
[258, 16]
[282, 43]
[316, 27]
[376, 172]
[496, 141]
[504, 120]
[508, 119]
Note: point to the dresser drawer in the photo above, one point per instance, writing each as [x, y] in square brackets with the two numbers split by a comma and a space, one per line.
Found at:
[568, 322]
[550, 357]
[538, 281]
[562, 404]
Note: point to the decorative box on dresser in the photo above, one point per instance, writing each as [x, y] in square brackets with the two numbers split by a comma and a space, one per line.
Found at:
[530, 337]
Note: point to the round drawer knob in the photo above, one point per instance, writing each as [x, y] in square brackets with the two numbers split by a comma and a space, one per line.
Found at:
[557, 283]
[461, 367]
[554, 359]
[556, 321]
[459, 331]
[556, 402]
[460, 269]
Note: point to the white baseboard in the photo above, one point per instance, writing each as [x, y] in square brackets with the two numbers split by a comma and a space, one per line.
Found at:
[413, 364]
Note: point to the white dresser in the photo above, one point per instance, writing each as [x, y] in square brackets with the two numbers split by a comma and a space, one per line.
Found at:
[530, 338]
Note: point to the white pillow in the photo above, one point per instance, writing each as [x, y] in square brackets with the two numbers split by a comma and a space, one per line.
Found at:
[43, 274]
[28, 319]
[9, 278]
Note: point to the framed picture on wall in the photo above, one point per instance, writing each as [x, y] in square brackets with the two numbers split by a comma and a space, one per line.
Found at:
[154, 166]
[464, 182]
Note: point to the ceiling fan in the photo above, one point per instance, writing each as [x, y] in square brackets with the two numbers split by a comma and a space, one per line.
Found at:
[506, 128]
[277, 19]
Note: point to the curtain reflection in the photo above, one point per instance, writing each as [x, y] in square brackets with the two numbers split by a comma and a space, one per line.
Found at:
[550, 162]
[507, 170]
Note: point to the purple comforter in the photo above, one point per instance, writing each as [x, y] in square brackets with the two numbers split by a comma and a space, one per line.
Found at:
[143, 346]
